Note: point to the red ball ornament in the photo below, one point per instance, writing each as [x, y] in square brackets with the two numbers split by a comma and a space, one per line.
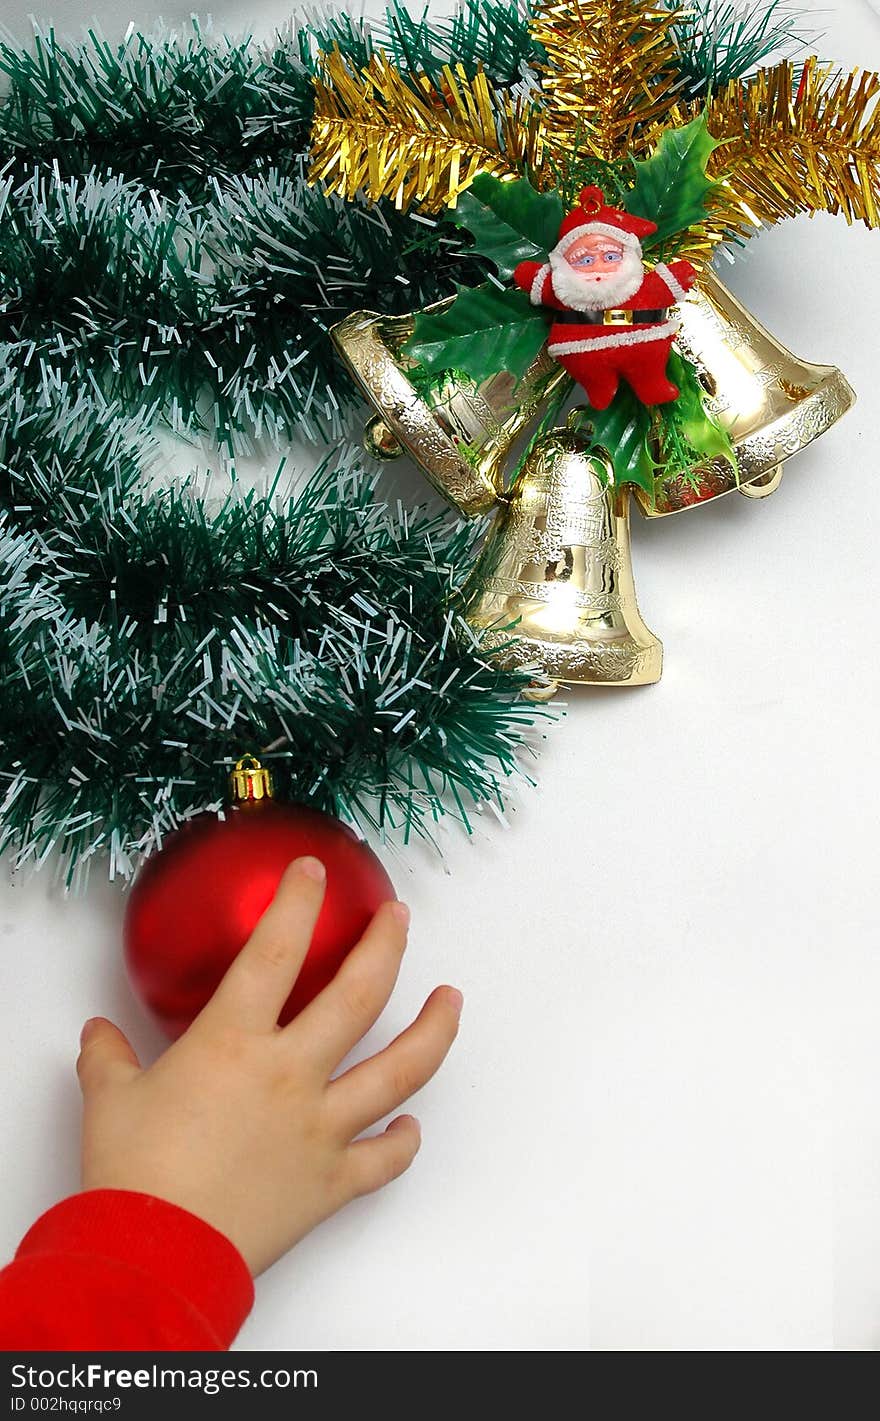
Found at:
[196, 902]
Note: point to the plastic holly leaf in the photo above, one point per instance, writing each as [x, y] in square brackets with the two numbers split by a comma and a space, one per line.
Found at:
[510, 221]
[484, 331]
[701, 430]
[671, 186]
[623, 431]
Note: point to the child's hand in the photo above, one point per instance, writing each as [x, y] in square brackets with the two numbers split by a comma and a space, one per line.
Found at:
[239, 1121]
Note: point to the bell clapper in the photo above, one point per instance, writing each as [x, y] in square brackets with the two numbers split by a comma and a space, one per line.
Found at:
[380, 441]
[540, 692]
[765, 485]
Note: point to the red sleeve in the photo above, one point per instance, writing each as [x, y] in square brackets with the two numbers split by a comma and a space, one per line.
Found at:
[120, 1271]
[657, 290]
[684, 273]
[527, 274]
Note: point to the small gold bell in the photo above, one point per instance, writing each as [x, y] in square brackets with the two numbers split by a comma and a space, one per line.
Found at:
[553, 586]
[458, 431]
[771, 403]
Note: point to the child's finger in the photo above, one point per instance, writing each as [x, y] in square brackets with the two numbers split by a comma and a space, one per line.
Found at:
[261, 978]
[370, 1090]
[335, 1021]
[104, 1053]
[371, 1164]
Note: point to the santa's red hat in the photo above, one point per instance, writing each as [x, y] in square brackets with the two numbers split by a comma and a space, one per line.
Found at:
[592, 215]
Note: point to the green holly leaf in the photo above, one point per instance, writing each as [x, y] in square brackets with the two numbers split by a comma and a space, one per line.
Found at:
[510, 222]
[623, 431]
[484, 331]
[671, 186]
[702, 431]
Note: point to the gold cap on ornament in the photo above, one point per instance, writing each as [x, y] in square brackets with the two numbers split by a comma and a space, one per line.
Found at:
[249, 782]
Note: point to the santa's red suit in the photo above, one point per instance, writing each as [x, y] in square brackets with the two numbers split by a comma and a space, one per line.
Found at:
[614, 328]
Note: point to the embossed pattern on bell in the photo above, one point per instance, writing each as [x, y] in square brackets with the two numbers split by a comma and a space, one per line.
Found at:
[459, 432]
[553, 586]
[772, 404]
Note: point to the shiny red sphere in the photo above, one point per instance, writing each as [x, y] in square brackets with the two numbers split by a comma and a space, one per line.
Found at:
[195, 903]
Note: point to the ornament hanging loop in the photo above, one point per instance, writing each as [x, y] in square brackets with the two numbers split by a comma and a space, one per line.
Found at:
[249, 782]
[592, 200]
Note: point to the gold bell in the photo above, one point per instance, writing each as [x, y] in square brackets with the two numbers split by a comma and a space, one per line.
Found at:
[457, 430]
[771, 403]
[553, 585]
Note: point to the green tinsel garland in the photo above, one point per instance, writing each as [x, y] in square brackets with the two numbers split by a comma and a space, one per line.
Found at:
[146, 638]
[161, 256]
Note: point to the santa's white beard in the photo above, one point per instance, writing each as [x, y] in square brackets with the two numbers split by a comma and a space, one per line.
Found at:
[581, 293]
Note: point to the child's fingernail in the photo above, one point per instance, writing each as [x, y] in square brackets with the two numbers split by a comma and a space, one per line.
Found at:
[87, 1026]
[312, 868]
[405, 1120]
[454, 998]
[400, 912]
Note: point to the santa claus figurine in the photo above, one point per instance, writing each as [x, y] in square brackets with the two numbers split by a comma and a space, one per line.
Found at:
[613, 320]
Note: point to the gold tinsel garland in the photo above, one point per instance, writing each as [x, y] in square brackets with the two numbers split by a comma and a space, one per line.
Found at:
[788, 144]
[405, 139]
[611, 78]
[807, 145]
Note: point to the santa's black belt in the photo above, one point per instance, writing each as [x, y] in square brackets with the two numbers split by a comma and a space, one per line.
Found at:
[620, 317]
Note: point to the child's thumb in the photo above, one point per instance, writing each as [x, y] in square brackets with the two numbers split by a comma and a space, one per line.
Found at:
[104, 1053]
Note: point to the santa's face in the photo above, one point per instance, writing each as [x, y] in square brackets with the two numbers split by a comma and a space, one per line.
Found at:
[596, 271]
[595, 255]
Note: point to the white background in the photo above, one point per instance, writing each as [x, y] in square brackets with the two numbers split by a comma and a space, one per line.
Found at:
[659, 1128]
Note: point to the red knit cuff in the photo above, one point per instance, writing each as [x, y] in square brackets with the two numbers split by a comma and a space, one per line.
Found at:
[167, 1244]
